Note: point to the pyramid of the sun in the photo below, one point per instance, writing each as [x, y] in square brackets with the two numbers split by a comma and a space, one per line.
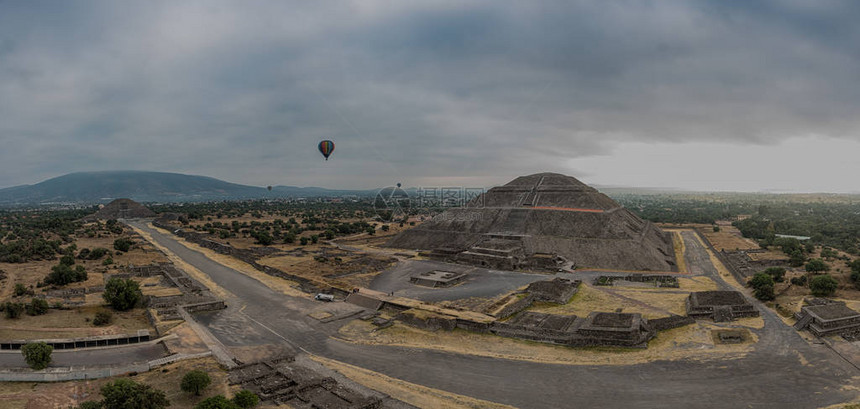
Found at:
[121, 209]
[534, 219]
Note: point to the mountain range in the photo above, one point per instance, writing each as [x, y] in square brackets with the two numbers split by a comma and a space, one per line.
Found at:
[143, 186]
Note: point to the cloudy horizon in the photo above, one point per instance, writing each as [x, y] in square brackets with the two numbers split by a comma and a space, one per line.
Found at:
[706, 95]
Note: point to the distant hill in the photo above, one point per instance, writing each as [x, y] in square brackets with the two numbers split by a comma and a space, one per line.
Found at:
[142, 186]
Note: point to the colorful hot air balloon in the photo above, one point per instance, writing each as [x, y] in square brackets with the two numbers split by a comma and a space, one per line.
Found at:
[326, 147]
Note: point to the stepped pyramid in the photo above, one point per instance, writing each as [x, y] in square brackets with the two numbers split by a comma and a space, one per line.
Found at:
[121, 209]
[541, 220]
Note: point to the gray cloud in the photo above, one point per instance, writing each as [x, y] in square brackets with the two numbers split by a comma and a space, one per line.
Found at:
[409, 90]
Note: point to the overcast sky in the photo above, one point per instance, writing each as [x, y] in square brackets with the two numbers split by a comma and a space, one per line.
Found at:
[721, 95]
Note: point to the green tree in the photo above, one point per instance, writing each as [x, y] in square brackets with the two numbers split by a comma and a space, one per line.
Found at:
[63, 274]
[122, 244]
[37, 306]
[823, 285]
[216, 402]
[37, 355]
[13, 310]
[246, 399]
[128, 394]
[67, 260]
[816, 266]
[778, 273]
[762, 285]
[122, 294]
[303, 241]
[716, 229]
[195, 381]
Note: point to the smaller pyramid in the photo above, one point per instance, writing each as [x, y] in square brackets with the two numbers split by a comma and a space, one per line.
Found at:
[121, 209]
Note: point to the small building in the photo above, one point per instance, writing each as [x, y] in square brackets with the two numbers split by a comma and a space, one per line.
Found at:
[721, 306]
[832, 318]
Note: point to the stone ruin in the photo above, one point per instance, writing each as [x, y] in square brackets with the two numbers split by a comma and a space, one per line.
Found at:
[721, 306]
[658, 280]
[437, 278]
[824, 317]
[543, 220]
[120, 209]
[194, 298]
[557, 290]
[283, 382]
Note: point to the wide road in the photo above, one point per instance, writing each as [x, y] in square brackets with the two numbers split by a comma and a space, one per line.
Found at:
[773, 376]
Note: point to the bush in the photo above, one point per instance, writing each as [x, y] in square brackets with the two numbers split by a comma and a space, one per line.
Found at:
[126, 393]
[303, 241]
[63, 274]
[98, 253]
[816, 266]
[21, 289]
[716, 229]
[246, 399]
[216, 402]
[108, 261]
[823, 285]
[37, 355]
[37, 306]
[801, 281]
[122, 244]
[90, 404]
[122, 294]
[762, 284]
[102, 318]
[195, 381]
[13, 309]
[778, 273]
[67, 260]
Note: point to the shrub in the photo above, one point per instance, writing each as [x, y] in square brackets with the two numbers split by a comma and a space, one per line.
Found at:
[778, 273]
[823, 285]
[122, 294]
[13, 309]
[762, 284]
[63, 274]
[122, 244]
[37, 355]
[98, 253]
[801, 281]
[195, 381]
[216, 402]
[21, 289]
[37, 306]
[126, 393]
[90, 404]
[102, 318]
[246, 399]
[108, 261]
[816, 266]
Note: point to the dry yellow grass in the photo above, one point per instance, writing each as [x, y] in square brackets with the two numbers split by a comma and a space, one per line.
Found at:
[651, 303]
[692, 342]
[417, 395]
[71, 324]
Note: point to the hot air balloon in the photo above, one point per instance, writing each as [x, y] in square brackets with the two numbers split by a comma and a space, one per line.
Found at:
[326, 147]
[269, 187]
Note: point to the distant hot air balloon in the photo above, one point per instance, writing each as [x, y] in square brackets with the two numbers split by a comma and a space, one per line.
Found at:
[398, 184]
[326, 147]
[269, 187]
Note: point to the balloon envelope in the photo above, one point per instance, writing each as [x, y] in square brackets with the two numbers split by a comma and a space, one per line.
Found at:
[269, 187]
[326, 147]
